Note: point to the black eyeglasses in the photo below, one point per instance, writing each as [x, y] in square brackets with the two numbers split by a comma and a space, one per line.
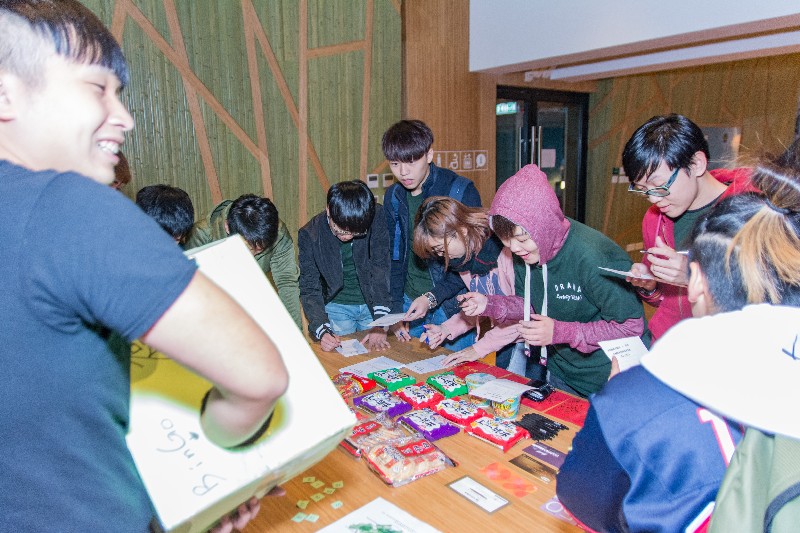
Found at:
[342, 233]
[660, 191]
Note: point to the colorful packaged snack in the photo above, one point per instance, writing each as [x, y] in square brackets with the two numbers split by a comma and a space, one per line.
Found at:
[448, 384]
[392, 378]
[379, 429]
[460, 412]
[382, 401]
[501, 433]
[432, 425]
[420, 396]
[405, 460]
[350, 385]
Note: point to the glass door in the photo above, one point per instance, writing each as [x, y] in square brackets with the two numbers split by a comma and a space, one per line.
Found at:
[548, 129]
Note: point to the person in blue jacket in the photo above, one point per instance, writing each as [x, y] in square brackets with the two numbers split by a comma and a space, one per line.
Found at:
[655, 446]
[423, 289]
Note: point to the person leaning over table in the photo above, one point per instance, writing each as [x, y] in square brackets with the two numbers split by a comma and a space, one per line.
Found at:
[256, 220]
[344, 267]
[64, 397]
[666, 160]
[556, 263]
[424, 290]
[650, 458]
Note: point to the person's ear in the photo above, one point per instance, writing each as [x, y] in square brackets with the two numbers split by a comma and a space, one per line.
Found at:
[8, 95]
[699, 164]
[429, 155]
[697, 291]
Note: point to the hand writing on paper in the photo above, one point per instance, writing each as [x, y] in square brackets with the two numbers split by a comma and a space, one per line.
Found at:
[538, 331]
[434, 335]
[472, 303]
[375, 340]
[464, 356]
[400, 331]
[418, 309]
[641, 269]
[330, 342]
[667, 264]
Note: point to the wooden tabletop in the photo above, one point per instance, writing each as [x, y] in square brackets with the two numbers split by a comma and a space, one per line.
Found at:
[428, 499]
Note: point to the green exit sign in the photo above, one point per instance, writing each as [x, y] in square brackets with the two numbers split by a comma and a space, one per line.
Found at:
[506, 108]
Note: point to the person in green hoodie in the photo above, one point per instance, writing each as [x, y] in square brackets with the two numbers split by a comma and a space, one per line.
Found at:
[256, 220]
[556, 270]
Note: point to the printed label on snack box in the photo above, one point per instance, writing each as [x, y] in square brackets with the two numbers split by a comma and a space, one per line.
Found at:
[417, 447]
[365, 428]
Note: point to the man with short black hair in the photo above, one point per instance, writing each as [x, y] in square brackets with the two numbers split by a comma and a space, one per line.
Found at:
[170, 206]
[255, 218]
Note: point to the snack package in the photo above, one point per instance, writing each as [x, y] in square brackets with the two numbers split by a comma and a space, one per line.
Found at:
[350, 385]
[379, 429]
[405, 460]
[432, 425]
[448, 384]
[460, 412]
[382, 401]
[392, 378]
[420, 396]
[501, 433]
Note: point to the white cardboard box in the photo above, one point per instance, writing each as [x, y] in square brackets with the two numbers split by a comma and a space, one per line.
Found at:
[192, 482]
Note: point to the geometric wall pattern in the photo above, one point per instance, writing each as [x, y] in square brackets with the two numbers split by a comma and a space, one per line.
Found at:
[273, 97]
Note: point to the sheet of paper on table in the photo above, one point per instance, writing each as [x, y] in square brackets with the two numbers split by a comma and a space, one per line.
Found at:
[500, 390]
[627, 273]
[387, 320]
[373, 365]
[426, 366]
[191, 481]
[379, 512]
[351, 347]
[628, 351]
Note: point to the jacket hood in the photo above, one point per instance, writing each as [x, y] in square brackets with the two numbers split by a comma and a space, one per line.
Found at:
[528, 200]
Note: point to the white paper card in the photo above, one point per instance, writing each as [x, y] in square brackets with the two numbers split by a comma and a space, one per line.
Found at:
[426, 366]
[351, 347]
[627, 274]
[373, 365]
[383, 513]
[478, 494]
[387, 320]
[628, 351]
[500, 390]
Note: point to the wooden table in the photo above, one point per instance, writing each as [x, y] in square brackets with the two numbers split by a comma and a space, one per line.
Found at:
[429, 499]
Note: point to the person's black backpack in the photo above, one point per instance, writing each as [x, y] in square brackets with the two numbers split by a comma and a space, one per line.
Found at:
[761, 488]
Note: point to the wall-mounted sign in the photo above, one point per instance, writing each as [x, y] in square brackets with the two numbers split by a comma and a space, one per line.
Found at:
[462, 160]
[506, 108]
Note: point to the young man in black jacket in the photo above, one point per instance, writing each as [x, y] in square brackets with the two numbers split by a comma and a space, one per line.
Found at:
[344, 267]
[421, 288]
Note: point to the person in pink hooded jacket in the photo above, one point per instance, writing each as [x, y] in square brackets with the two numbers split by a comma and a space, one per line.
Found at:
[666, 160]
[556, 270]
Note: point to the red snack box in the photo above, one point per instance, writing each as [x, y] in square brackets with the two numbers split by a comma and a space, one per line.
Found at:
[420, 396]
[460, 412]
[501, 433]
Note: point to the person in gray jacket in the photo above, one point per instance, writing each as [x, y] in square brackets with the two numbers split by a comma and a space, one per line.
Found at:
[344, 267]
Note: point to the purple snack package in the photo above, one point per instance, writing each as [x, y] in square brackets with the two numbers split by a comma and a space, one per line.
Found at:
[382, 401]
[432, 425]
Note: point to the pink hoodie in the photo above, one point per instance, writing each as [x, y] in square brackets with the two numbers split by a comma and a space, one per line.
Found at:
[528, 200]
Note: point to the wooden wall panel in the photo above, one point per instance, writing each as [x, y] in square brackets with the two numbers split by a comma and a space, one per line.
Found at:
[273, 97]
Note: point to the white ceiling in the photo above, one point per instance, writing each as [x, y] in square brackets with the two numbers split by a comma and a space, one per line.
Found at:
[575, 40]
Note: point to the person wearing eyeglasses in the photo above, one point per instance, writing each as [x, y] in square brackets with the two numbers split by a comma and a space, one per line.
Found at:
[344, 267]
[666, 160]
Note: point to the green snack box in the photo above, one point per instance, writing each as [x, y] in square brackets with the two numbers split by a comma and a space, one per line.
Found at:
[448, 384]
[392, 378]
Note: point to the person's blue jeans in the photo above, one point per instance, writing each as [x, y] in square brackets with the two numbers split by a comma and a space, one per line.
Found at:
[437, 316]
[347, 319]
